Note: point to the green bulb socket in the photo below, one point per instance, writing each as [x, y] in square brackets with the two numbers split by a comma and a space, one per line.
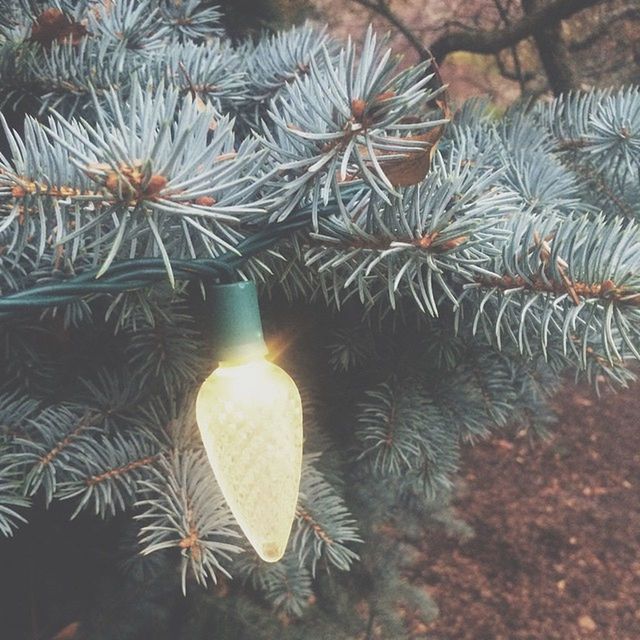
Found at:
[237, 327]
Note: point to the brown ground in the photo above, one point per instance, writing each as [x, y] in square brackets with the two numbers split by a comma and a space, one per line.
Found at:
[556, 555]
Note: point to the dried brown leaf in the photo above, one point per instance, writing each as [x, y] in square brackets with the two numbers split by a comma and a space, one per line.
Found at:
[414, 165]
[53, 26]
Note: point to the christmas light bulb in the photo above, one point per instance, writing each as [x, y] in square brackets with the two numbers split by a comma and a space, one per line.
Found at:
[249, 414]
[250, 420]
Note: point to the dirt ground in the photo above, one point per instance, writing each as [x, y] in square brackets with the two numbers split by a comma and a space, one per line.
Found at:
[556, 552]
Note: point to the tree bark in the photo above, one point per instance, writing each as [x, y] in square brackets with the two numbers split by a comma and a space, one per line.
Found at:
[552, 50]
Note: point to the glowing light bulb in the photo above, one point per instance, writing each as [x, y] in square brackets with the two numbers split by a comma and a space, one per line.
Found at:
[249, 414]
[250, 420]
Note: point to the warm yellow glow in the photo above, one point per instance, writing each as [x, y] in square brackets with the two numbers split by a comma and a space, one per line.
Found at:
[250, 420]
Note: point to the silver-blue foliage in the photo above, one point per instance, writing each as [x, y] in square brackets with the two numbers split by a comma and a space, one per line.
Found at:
[462, 263]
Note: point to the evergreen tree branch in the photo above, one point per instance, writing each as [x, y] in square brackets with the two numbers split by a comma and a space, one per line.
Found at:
[183, 508]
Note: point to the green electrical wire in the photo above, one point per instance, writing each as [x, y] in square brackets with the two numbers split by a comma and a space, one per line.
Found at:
[130, 275]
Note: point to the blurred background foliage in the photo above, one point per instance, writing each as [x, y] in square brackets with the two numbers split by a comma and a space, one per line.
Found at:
[538, 46]
[245, 17]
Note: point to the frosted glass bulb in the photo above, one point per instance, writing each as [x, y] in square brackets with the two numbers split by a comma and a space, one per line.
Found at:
[250, 420]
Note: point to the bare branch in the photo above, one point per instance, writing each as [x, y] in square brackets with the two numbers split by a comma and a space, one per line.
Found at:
[518, 74]
[488, 42]
[382, 8]
[603, 26]
[481, 40]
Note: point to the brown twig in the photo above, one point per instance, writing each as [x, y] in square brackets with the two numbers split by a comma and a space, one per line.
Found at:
[606, 290]
[86, 421]
[317, 529]
[118, 471]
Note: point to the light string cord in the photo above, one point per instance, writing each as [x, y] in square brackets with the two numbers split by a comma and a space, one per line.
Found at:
[130, 275]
